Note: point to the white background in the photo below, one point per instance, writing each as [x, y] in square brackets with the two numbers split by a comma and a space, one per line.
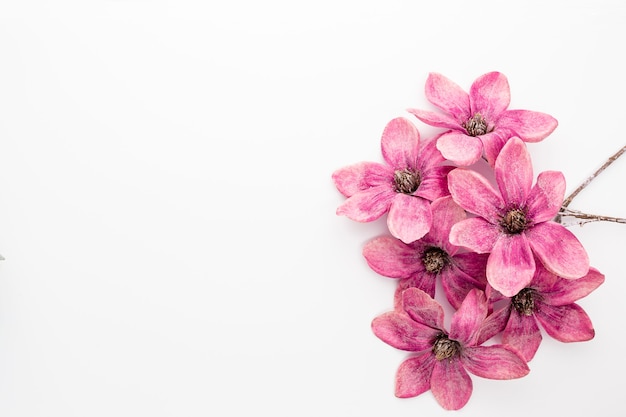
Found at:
[168, 216]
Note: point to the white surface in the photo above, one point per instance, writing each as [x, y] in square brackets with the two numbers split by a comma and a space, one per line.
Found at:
[168, 218]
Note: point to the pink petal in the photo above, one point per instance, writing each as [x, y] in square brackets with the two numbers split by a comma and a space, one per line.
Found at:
[434, 183]
[511, 265]
[446, 213]
[494, 362]
[493, 143]
[448, 96]
[475, 194]
[400, 143]
[567, 291]
[466, 321]
[358, 177]
[559, 250]
[436, 119]
[457, 284]
[476, 234]
[450, 384]
[493, 324]
[514, 172]
[392, 258]
[490, 95]
[398, 330]
[414, 374]
[422, 280]
[473, 264]
[409, 218]
[523, 334]
[530, 126]
[429, 156]
[422, 308]
[460, 148]
[566, 323]
[546, 197]
[367, 205]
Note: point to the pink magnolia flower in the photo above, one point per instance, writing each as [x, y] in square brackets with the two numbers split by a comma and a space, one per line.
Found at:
[548, 301]
[418, 264]
[479, 120]
[411, 177]
[516, 222]
[443, 359]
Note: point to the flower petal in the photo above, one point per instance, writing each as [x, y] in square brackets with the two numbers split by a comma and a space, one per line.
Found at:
[530, 126]
[493, 143]
[456, 285]
[475, 194]
[493, 324]
[429, 156]
[436, 119]
[392, 258]
[446, 213]
[434, 183]
[410, 218]
[358, 177]
[494, 362]
[546, 197]
[490, 95]
[460, 148]
[423, 280]
[559, 250]
[400, 143]
[398, 330]
[514, 172]
[523, 334]
[413, 376]
[367, 205]
[448, 96]
[567, 291]
[422, 308]
[450, 384]
[466, 321]
[511, 265]
[566, 323]
[476, 234]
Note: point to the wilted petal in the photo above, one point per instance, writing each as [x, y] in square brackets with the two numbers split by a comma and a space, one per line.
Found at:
[422, 280]
[400, 143]
[531, 126]
[448, 96]
[514, 172]
[367, 205]
[422, 308]
[523, 334]
[475, 194]
[413, 376]
[494, 362]
[398, 330]
[511, 265]
[559, 250]
[358, 177]
[567, 291]
[476, 234]
[434, 183]
[460, 148]
[566, 323]
[490, 95]
[409, 217]
[450, 384]
[436, 119]
[466, 321]
[392, 258]
[546, 197]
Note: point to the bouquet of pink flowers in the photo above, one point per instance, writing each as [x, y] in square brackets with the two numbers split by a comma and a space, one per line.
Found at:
[507, 264]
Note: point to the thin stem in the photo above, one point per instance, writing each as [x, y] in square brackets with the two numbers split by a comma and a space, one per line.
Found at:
[566, 212]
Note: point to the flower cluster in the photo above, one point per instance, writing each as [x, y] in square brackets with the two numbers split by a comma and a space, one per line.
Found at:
[506, 264]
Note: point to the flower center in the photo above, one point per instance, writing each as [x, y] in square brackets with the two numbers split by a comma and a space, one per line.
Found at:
[444, 348]
[514, 221]
[476, 125]
[434, 260]
[406, 181]
[524, 301]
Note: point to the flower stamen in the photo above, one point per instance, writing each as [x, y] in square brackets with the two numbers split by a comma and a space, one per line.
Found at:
[514, 221]
[435, 259]
[406, 181]
[444, 348]
[476, 125]
[524, 301]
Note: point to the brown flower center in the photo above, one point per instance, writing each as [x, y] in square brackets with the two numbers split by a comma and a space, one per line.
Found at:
[434, 260]
[476, 125]
[444, 348]
[406, 181]
[514, 221]
[524, 301]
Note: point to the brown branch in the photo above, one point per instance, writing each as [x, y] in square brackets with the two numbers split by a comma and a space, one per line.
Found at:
[566, 212]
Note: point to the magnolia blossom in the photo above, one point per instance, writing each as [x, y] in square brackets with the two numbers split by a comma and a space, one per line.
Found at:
[418, 264]
[479, 121]
[548, 301]
[443, 359]
[404, 186]
[515, 222]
